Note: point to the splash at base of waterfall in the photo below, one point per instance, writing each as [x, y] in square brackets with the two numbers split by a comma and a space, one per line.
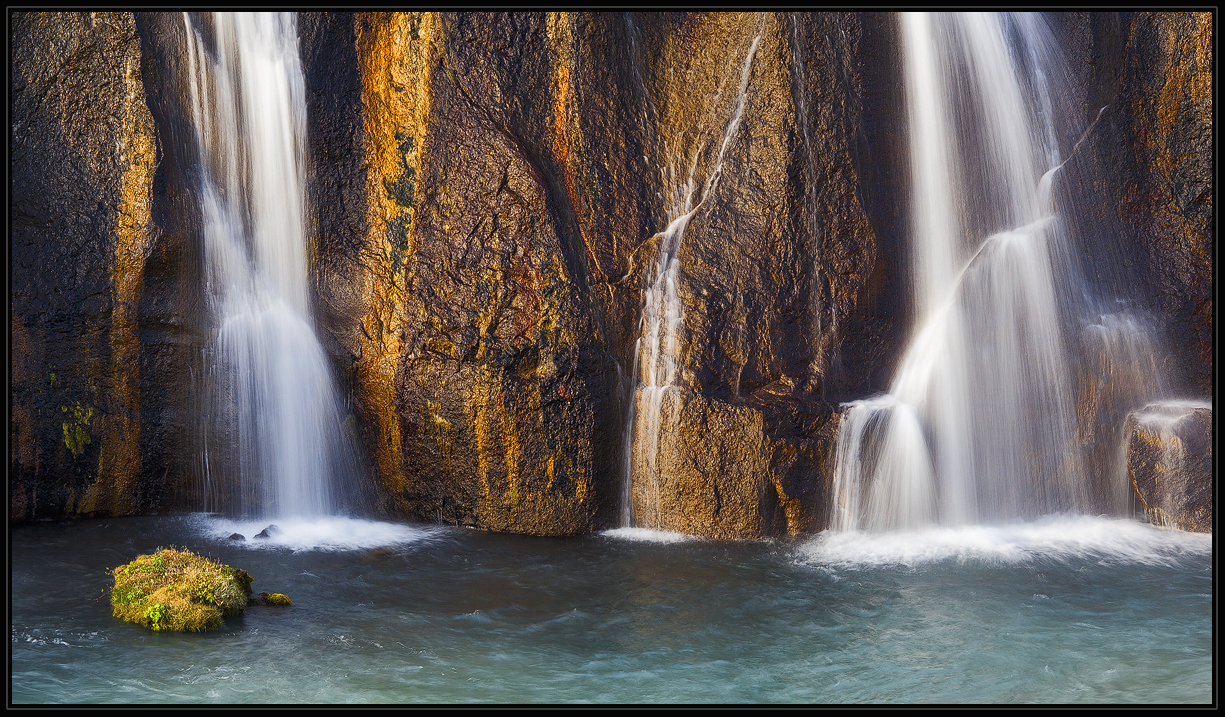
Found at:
[298, 534]
[645, 535]
[1059, 538]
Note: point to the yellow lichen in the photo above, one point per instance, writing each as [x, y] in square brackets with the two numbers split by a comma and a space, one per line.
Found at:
[510, 447]
[119, 457]
[393, 52]
[440, 429]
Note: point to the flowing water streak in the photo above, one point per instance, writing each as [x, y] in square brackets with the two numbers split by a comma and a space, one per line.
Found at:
[274, 401]
[656, 351]
[1123, 374]
[979, 423]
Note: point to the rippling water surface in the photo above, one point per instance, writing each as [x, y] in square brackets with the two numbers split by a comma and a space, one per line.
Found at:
[1061, 610]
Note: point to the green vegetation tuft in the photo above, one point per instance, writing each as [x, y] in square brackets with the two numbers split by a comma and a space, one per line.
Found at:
[276, 599]
[179, 591]
[75, 435]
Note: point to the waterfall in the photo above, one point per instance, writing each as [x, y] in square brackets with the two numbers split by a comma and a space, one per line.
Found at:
[275, 412]
[979, 423]
[657, 350]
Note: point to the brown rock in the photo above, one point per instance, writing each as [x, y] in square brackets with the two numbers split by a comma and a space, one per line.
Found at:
[1169, 463]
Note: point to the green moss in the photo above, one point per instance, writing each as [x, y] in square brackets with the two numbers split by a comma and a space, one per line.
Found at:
[75, 435]
[277, 599]
[179, 591]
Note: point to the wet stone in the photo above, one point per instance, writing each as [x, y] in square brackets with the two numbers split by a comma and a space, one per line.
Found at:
[268, 532]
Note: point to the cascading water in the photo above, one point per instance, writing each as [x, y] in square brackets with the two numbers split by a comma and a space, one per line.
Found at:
[656, 351]
[275, 409]
[979, 423]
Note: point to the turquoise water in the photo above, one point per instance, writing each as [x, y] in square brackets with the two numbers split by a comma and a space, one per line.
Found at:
[1068, 609]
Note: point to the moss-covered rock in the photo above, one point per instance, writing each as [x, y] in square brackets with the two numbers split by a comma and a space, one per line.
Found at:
[179, 591]
[275, 599]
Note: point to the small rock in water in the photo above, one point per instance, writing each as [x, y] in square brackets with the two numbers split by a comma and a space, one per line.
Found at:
[268, 532]
[237, 536]
[275, 599]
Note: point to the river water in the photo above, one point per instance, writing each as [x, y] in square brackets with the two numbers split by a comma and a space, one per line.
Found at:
[1065, 609]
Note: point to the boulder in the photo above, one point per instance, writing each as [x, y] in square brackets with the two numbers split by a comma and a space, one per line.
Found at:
[1169, 463]
[178, 591]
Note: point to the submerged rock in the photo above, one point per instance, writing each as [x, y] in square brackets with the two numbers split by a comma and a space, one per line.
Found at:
[1169, 463]
[237, 536]
[178, 591]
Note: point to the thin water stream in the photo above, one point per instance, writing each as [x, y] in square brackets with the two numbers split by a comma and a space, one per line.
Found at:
[657, 351]
[1069, 609]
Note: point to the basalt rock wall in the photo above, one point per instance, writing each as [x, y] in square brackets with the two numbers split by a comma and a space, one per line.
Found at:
[520, 170]
[1143, 179]
[487, 194]
[84, 152]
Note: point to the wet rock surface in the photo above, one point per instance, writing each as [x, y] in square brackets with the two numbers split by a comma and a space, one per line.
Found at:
[1144, 178]
[269, 532]
[550, 146]
[1169, 464]
[487, 192]
[84, 149]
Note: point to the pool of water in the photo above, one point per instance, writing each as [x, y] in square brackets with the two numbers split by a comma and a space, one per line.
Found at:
[1069, 609]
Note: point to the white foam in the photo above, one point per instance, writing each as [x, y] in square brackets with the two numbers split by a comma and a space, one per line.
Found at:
[1168, 413]
[1058, 537]
[646, 535]
[330, 533]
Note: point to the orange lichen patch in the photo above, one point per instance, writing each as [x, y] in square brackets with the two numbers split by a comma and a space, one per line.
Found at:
[1173, 129]
[477, 405]
[568, 140]
[560, 36]
[394, 51]
[1187, 86]
[119, 458]
[522, 488]
[510, 448]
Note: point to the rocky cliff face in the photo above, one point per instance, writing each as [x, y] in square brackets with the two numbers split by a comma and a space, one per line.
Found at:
[84, 149]
[1167, 196]
[1147, 175]
[519, 171]
[488, 192]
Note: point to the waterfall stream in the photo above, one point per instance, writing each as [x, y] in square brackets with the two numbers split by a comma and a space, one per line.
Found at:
[275, 411]
[979, 423]
[657, 350]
